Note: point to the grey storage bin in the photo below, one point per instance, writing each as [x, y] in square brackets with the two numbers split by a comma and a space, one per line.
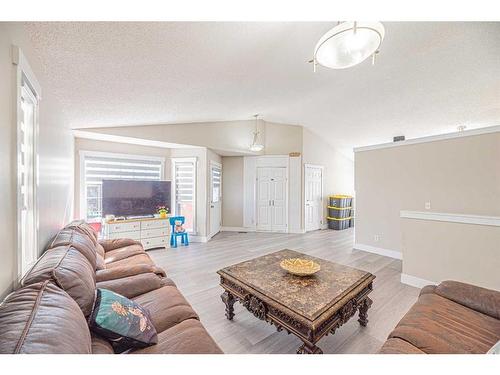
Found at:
[338, 224]
[339, 213]
[340, 201]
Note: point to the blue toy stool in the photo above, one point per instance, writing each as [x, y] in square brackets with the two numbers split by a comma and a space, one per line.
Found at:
[174, 235]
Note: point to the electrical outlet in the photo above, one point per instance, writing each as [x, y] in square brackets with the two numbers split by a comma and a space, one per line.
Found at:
[376, 237]
[427, 205]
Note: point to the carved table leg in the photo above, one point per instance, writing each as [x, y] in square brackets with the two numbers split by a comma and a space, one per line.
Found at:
[363, 311]
[307, 348]
[229, 301]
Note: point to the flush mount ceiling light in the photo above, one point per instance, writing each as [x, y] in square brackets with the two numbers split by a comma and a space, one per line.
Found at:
[256, 146]
[349, 43]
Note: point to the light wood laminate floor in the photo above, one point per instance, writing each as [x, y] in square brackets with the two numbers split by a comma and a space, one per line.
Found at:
[194, 268]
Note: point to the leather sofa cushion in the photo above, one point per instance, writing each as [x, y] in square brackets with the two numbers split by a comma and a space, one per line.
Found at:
[133, 260]
[123, 253]
[398, 346]
[438, 325]
[83, 227]
[100, 250]
[187, 337]
[167, 307]
[99, 262]
[100, 345]
[484, 300]
[79, 241]
[132, 286]
[42, 319]
[70, 270]
[127, 270]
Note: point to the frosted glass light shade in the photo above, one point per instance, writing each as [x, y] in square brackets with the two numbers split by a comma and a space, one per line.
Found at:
[348, 44]
[256, 147]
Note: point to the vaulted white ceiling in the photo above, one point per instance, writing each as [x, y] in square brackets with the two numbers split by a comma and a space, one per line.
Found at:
[429, 77]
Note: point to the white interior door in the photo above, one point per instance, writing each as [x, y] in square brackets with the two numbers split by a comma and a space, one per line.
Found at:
[215, 198]
[313, 184]
[278, 200]
[264, 213]
[271, 199]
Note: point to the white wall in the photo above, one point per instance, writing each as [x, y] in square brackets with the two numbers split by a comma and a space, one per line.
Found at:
[55, 192]
[338, 177]
[82, 144]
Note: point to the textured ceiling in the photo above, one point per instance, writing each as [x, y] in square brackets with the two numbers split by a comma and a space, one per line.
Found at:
[429, 77]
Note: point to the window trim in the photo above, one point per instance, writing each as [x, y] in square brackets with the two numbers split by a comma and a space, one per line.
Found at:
[88, 153]
[173, 204]
[24, 73]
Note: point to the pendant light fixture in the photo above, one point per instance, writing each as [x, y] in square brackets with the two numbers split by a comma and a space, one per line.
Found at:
[348, 44]
[256, 146]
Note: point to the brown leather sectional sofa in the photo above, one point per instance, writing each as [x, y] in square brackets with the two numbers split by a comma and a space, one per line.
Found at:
[48, 313]
[451, 317]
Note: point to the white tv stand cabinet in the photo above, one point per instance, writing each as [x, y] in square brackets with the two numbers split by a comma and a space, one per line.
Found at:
[151, 232]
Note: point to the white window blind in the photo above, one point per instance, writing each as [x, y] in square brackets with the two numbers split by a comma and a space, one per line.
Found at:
[99, 167]
[185, 190]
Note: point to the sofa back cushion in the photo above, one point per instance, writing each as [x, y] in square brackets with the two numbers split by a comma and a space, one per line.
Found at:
[42, 319]
[80, 241]
[70, 270]
[84, 228]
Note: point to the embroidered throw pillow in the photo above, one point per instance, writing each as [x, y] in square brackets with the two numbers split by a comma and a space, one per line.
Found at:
[122, 321]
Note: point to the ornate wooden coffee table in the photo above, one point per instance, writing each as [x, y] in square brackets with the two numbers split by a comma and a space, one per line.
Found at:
[309, 307]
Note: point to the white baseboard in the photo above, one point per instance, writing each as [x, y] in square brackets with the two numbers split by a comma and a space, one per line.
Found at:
[378, 250]
[297, 231]
[417, 282]
[237, 229]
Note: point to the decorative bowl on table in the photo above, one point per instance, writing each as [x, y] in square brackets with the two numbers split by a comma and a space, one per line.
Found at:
[300, 267]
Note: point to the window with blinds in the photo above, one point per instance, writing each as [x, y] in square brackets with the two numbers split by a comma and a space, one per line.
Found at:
[184, 173]
[216, 183]
[98, 167]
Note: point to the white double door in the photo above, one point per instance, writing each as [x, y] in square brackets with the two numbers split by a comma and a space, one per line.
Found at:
[313, 184]
[271, 199]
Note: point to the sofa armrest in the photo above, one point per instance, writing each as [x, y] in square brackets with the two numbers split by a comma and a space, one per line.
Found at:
[125, 271]
[133, 286]
[116, 243]
[428, 289]
[483, 300]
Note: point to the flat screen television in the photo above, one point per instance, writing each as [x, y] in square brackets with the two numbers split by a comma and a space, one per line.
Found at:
[134, 197]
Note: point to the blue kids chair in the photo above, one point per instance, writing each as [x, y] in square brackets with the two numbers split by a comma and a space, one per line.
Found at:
[174, 235]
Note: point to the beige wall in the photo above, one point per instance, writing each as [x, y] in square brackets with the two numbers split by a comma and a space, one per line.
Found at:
[437, 251]
[282, 139]
[338, 169]
[232, 191]
[82, 144]
[233, 137]
[460, 175]
[55, 191]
